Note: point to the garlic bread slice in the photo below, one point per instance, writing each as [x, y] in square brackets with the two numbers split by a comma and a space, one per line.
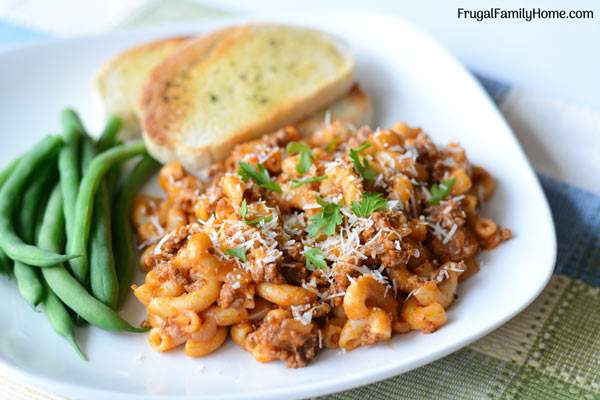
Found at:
[236, 84]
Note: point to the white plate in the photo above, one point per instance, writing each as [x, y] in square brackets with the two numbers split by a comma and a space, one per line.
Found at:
[411, 78]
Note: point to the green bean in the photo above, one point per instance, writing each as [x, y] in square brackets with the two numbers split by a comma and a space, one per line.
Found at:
[32, 200]
[114, 174]
[8, 170]
[112, 179]
[60, 319]
[108, 136]
[28, 279]
[68, 164]
[103, 277]
[71, 122]
[125, 250]
[29, 283]
[64, 285]
[10, 242]
[40, 215]
[84, 208]
[4, 263]
[88, 152]
[4, 174]
[108, 139]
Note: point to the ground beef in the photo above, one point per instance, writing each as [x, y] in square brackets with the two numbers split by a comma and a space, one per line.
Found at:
[295, 273]
[237, 291]
[287, 340]
[463, 245]
[446, 214]
[265, 273]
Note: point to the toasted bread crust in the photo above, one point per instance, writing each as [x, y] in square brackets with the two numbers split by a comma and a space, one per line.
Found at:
[140, 50]
[354, 108]
[159, 100]
[168, 101]
[120, 81]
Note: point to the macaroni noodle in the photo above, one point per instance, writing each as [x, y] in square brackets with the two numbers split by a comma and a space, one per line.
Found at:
[293, 244]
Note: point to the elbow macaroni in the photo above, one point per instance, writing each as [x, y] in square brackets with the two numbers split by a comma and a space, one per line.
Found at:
[198, 300]
[201, 348]
[285, 295]
[364, 293]
[228, 255]
[376, 327]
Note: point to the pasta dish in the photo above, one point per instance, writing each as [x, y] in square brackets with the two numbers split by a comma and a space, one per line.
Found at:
[292, 244]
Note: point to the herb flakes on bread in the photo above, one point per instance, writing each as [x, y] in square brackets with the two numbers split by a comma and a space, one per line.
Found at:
[236, 84]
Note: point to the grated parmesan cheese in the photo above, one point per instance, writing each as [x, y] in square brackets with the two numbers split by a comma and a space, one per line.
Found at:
[162, 241]
[450, 234]
[359, 245]
[395, 205]
[302, 314]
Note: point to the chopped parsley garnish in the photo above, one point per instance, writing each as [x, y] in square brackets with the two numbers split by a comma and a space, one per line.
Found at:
[439, 192]
[326, 219]
[306, 156]
[370, 203]
[258, 220]
[238, 252]
[362, 147]
[362, 166]
[296, 183]
[315, 259]
[259, 174]
[244, 209]
[254, 221]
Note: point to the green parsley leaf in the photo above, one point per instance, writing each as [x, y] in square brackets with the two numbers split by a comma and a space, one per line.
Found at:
[244, 209]
[259, 174]
[296, 183]
[326, 219]
[362, 166]
[362, 147]
[306, 156]
[296, 147]
[439, 192]
[256, 221]
[315, 259]
[370, 203]
[239, 252]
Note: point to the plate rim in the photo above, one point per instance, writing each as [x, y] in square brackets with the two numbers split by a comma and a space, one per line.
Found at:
[350, 381]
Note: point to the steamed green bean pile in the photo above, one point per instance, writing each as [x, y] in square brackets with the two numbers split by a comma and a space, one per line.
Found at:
[71, 255]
